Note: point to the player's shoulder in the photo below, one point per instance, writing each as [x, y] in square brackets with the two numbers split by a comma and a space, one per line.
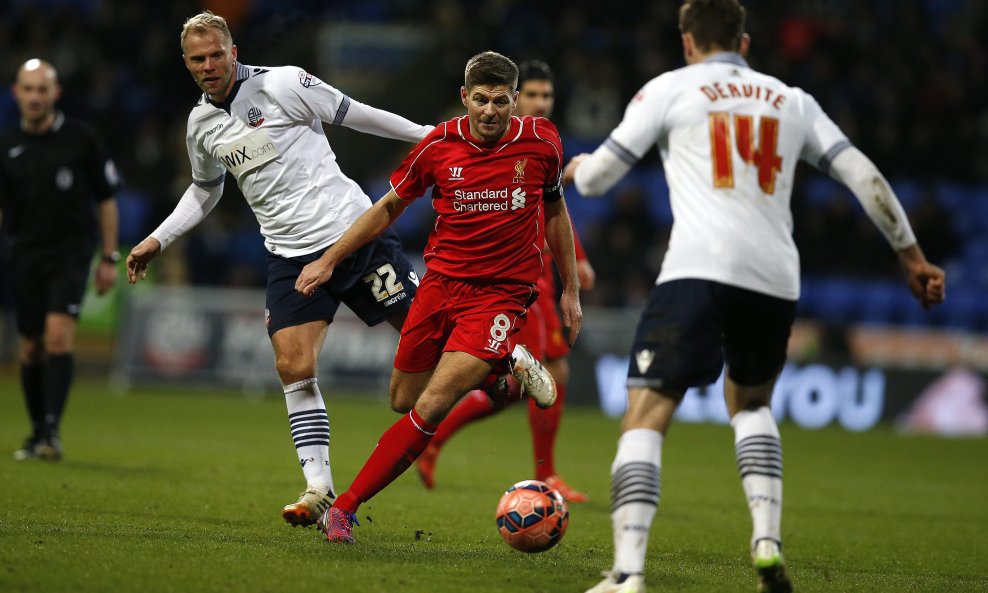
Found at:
[284, 78]
[70, 127]
[447, 130]
[207, 119]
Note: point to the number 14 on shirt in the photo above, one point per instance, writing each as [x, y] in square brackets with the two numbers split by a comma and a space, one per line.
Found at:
[764, 156]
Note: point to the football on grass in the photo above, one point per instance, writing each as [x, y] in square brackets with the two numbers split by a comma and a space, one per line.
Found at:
[532, 516]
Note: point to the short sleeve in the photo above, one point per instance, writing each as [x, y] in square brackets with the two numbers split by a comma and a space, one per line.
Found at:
[824, 140]
[206, 170]
[416, 173]
[546, 131]
[305, 97]
[643, 121]
[100, 168]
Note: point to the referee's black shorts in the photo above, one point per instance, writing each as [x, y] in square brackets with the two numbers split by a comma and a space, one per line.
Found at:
[48, 280]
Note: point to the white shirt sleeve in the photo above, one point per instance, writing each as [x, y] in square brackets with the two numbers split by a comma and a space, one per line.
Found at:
[640, 130]
[371, 120]
[824, 140]
[306, 98]
[644, 119]
[852, 168]
[194, 205]
[207, 171]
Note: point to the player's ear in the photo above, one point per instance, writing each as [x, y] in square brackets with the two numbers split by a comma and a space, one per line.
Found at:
[233, 52]
[688, 46]
[463, 95]
[744, 45]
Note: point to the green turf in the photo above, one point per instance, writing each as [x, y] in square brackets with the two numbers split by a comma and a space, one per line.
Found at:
[181, 492]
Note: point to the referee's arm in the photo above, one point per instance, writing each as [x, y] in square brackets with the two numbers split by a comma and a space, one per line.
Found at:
[109, 221]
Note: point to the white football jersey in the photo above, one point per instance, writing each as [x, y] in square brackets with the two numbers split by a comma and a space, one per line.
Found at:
[729, 138]
[275, 147]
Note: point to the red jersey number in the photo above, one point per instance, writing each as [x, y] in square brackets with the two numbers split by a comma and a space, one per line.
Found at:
[764, 156]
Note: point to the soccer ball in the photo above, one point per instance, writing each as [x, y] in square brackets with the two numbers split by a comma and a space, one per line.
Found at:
[532, 516]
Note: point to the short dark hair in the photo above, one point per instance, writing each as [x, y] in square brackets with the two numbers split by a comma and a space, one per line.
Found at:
[490, 68]
[533, 70]
[713, 23]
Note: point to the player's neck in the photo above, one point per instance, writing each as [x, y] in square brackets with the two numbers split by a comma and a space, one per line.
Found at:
[39, 125]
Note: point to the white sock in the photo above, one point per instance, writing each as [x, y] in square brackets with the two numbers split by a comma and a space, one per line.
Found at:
[635, 488]
[759, 454]
[310, 431]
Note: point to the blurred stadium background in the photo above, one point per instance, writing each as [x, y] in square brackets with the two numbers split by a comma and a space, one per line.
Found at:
[906, 80]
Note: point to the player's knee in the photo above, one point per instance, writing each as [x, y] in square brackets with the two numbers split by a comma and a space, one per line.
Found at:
[292, 370]
[31, 351]
[402, 400]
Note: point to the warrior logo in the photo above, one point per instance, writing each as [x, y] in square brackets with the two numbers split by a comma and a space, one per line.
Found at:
[456, 173]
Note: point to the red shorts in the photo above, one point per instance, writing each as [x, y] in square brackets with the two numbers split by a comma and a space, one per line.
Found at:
[450, 315]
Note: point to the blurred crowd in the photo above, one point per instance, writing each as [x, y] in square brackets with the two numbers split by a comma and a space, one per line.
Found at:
[906, 80]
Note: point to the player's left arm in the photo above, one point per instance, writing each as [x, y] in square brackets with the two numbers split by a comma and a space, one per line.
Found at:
[305, 97]
[585, 271]
[108, 218]
[559, 235]
[371, 120]
[365, 229]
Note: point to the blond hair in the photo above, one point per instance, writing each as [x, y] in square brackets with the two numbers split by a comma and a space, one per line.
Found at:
[201, 23]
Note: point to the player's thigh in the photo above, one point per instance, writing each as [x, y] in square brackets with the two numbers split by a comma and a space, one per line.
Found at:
[455, 375]
[677, 343]
[756, 334]
[486, 317]
[383, 281]
[285, 307]
[426, 327]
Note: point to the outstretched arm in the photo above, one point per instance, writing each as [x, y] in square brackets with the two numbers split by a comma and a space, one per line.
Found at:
[926, 281]
[371, 120]
[194, 205]
[365, 229]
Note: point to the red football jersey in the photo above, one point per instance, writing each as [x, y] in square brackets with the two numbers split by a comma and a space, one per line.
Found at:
[488, 198]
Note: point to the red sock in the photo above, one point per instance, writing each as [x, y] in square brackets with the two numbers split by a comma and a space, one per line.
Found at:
[545, 425]
[398, 448]
[474, 406]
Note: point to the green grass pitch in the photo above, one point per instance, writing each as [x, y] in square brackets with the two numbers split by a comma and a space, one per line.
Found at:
[180, 491]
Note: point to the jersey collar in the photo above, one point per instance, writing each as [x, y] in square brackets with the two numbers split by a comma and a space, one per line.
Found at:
[56, 124]
[728, 56]
[243, 73]
[512, 134]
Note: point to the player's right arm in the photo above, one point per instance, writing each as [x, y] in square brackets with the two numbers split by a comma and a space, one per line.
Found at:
[194, 205]
[198, 200]
[365, 229]
[638, 131]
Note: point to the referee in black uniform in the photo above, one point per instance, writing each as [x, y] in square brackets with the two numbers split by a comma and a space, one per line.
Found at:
[57, 205]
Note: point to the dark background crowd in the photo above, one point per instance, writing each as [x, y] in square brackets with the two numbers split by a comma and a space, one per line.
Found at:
[905, 79]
